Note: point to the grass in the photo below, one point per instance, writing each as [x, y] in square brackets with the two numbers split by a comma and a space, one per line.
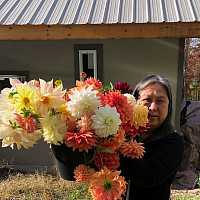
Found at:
[41, 186]
[186, 198]
[33, 186]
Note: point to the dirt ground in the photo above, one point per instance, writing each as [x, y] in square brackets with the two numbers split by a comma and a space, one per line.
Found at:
[189, 193]
[179, 190]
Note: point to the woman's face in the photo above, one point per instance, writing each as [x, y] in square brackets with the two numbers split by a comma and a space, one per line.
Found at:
[154, 96]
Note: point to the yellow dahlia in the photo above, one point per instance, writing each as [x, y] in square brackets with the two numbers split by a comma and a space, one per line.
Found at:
[53, 128]
[132, 149]
[83, 173]
[48, 97]
[58, 83]
[140, 116]
[107, 185]
[64, 112]
[106, 121]
[25, 98]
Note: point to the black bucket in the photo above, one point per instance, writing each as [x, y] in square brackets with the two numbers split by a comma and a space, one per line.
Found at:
[67, 160]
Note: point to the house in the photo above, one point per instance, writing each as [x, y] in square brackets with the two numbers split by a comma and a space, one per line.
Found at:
[114, 40]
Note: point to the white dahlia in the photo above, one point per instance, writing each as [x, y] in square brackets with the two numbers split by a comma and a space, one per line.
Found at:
[6, 108]
[131, 98]
[83, 102]
[106, 121]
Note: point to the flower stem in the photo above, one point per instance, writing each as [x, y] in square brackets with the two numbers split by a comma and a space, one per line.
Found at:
[103, 167]
[85, 158]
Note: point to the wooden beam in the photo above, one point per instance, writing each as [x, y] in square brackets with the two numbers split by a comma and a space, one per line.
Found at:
[100, 31]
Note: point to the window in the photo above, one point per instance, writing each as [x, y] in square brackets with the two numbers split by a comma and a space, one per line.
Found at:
[88, 59]
[5, 75]
[88, 62]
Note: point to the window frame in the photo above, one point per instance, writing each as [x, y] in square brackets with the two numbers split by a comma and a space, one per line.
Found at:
[99, 59]
[16, 74]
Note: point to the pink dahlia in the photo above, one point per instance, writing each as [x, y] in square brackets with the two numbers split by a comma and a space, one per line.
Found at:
[118, 100]
[81, 140]
[123, 87]
[27, 123]
[107, 185]
[132, 149]
[83, 173]
[110, 160]
[85, 123]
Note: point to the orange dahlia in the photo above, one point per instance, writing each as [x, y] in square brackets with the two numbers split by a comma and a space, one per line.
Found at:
[107, 185]
[110, 160]
[80, 84]
[114, 141]
[83, 75]
[132, 149]
[81, 140]
[118, 100]
[83, 173]
[93, 81]
[34, 82]
[97, 85]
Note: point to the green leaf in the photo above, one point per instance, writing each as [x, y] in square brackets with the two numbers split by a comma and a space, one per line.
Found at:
[104, 149]
[53, 112]
[110, 86]
[107, 88]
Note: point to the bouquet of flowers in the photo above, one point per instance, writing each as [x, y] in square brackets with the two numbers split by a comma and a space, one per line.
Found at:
[90, 116]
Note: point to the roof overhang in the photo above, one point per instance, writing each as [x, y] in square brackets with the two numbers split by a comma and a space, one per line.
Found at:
[100, 31]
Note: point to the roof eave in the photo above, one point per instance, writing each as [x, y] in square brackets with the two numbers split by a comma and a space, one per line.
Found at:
[100, 31]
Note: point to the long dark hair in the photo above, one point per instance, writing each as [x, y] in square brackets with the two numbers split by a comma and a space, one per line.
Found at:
[166, 126]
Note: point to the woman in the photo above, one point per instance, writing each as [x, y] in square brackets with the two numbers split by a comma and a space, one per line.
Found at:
[151, 177]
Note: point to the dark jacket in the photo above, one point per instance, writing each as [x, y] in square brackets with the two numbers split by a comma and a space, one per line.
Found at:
[151, 177]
